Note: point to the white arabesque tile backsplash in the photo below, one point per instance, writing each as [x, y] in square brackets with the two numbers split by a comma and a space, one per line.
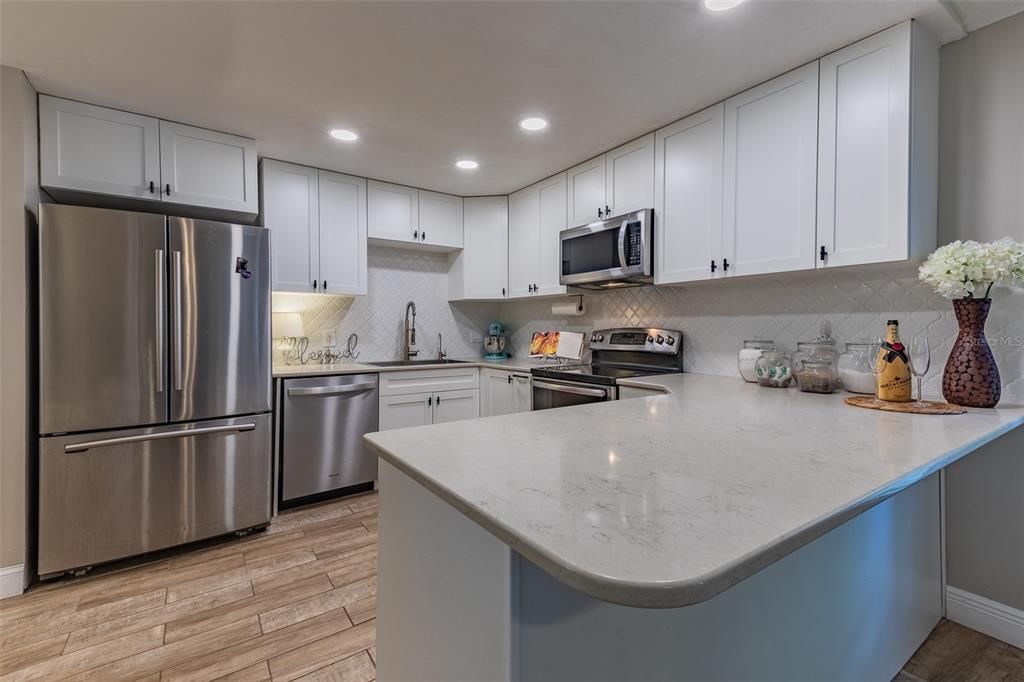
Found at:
[714, 317]
[395, 276]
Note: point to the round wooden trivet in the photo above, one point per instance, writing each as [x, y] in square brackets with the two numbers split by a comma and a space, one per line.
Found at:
[923, 407]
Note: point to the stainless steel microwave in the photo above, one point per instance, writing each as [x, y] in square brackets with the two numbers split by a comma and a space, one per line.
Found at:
[611, 253]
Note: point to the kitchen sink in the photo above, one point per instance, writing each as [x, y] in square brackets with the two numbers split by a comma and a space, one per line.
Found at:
[415, 363]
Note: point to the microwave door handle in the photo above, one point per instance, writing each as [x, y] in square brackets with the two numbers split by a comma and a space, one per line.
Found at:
[622, 245]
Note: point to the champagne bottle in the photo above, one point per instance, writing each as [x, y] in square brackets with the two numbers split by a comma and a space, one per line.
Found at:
[894, 378]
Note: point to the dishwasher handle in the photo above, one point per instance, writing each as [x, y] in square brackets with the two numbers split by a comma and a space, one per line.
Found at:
[332, 390]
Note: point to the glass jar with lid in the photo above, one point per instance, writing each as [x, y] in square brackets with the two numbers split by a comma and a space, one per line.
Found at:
[820, 349]
[773, 369]
[856, 367]
[748, 356]
[818, 376]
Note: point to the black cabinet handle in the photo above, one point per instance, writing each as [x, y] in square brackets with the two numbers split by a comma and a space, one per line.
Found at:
[416, 234]
[430, 400]
[725, 264]
[438, 400]
[713, 266]
[152, 187]
[325, 285]
[607, 211]
[510, 378]
[167, 188]
[314, 284]
[823, 253]
[423, 235]
[503, 291]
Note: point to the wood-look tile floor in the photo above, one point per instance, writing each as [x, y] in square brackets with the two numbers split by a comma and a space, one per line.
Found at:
[296, 602]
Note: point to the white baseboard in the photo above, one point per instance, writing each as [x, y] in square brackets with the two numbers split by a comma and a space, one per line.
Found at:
[997, 620]
[12, 581]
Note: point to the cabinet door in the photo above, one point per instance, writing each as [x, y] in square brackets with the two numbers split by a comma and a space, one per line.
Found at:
[91, 149]
[403, 411]
[440, 219]
[585, 192]
[497, 393]
[629, 176]
[522, 386]
[688, 198]
[551, 206]
[342, 233]
[770, 175]
[453, 406]
[523, 241]
[201, 167]
[393, 212]
[484, 257]
[291, 212]
[863, 151]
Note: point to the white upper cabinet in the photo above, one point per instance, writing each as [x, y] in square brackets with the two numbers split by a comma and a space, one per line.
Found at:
[291, 213]
[629, 173]
[406, 216]
[393, 212]
[585, 192]
[523, 242]
[480, 269]
[551, 206]
[866, 149]
[770, 170]
[342, 233]
[92, 149]
[441, 219]
[688, 198]
[536, 217]
[201, 167]
[85, 148]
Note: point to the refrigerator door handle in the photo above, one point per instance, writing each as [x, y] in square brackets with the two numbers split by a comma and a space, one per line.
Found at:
[160, 309]
[162, 435]
[333, 390]
[178, 362]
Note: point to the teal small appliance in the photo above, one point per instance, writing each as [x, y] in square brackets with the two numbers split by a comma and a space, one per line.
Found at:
[494, 343]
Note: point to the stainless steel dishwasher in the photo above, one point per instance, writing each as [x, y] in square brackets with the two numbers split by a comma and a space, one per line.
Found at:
[322, 425]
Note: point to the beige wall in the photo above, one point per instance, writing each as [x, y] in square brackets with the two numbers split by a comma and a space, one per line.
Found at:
[981, 190]
[19, 193]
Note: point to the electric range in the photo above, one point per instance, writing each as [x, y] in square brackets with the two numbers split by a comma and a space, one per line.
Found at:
[620, 353]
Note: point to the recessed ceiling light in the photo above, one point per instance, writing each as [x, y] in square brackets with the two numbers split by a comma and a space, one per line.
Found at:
[721, 5]
[466, 164]
[344, 135]
[533, 123]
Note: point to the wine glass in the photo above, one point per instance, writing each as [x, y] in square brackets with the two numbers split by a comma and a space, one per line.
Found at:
[920, 361]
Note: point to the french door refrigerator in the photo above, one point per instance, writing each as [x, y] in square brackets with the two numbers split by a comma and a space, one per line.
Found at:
[154, 383]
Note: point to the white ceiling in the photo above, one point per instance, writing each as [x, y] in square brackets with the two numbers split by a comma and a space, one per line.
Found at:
[425, 82]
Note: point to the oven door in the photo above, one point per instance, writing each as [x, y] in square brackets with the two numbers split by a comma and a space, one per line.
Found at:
[614, 250]
[550, 393]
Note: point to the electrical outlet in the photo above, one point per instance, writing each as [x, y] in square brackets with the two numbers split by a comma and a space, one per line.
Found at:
[476, 337]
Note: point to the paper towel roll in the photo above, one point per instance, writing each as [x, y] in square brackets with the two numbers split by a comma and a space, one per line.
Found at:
[570, 309]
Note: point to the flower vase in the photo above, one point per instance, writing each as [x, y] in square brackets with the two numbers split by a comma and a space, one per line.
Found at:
[971, 377]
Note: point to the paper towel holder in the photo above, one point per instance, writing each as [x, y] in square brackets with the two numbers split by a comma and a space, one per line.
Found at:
[568, 309]
[579, 304]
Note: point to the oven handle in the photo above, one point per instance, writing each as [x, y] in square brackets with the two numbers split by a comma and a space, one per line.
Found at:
[575, 390]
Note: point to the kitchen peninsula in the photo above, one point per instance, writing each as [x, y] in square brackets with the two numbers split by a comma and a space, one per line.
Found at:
[719, 532]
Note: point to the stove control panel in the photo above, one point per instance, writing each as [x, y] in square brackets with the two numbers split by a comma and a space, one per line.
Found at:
[638, 339]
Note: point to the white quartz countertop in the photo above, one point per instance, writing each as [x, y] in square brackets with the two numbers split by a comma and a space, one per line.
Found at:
[312, 370]
[668, 500]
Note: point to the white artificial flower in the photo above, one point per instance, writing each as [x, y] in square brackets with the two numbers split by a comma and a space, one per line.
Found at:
[961, 269]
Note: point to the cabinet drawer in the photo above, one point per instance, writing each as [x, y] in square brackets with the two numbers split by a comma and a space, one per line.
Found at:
[429, 380]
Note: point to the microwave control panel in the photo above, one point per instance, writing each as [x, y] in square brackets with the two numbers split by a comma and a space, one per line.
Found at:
[634, 249]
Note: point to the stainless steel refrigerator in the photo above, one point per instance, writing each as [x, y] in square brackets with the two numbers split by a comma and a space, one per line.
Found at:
[154, 383]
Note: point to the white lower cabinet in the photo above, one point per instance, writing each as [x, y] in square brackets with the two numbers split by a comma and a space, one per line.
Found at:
[420, 409]
[403, 411]
[504, 392]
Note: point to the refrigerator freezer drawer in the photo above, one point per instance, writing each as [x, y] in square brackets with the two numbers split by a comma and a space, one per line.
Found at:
[324, 422]
[115, 494]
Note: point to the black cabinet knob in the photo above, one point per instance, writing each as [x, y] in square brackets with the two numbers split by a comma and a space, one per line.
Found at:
[822, 254]
[416, 234]
[152, 187]
[167, 188]
[423, 237]
[314, 284]
[325, 285]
